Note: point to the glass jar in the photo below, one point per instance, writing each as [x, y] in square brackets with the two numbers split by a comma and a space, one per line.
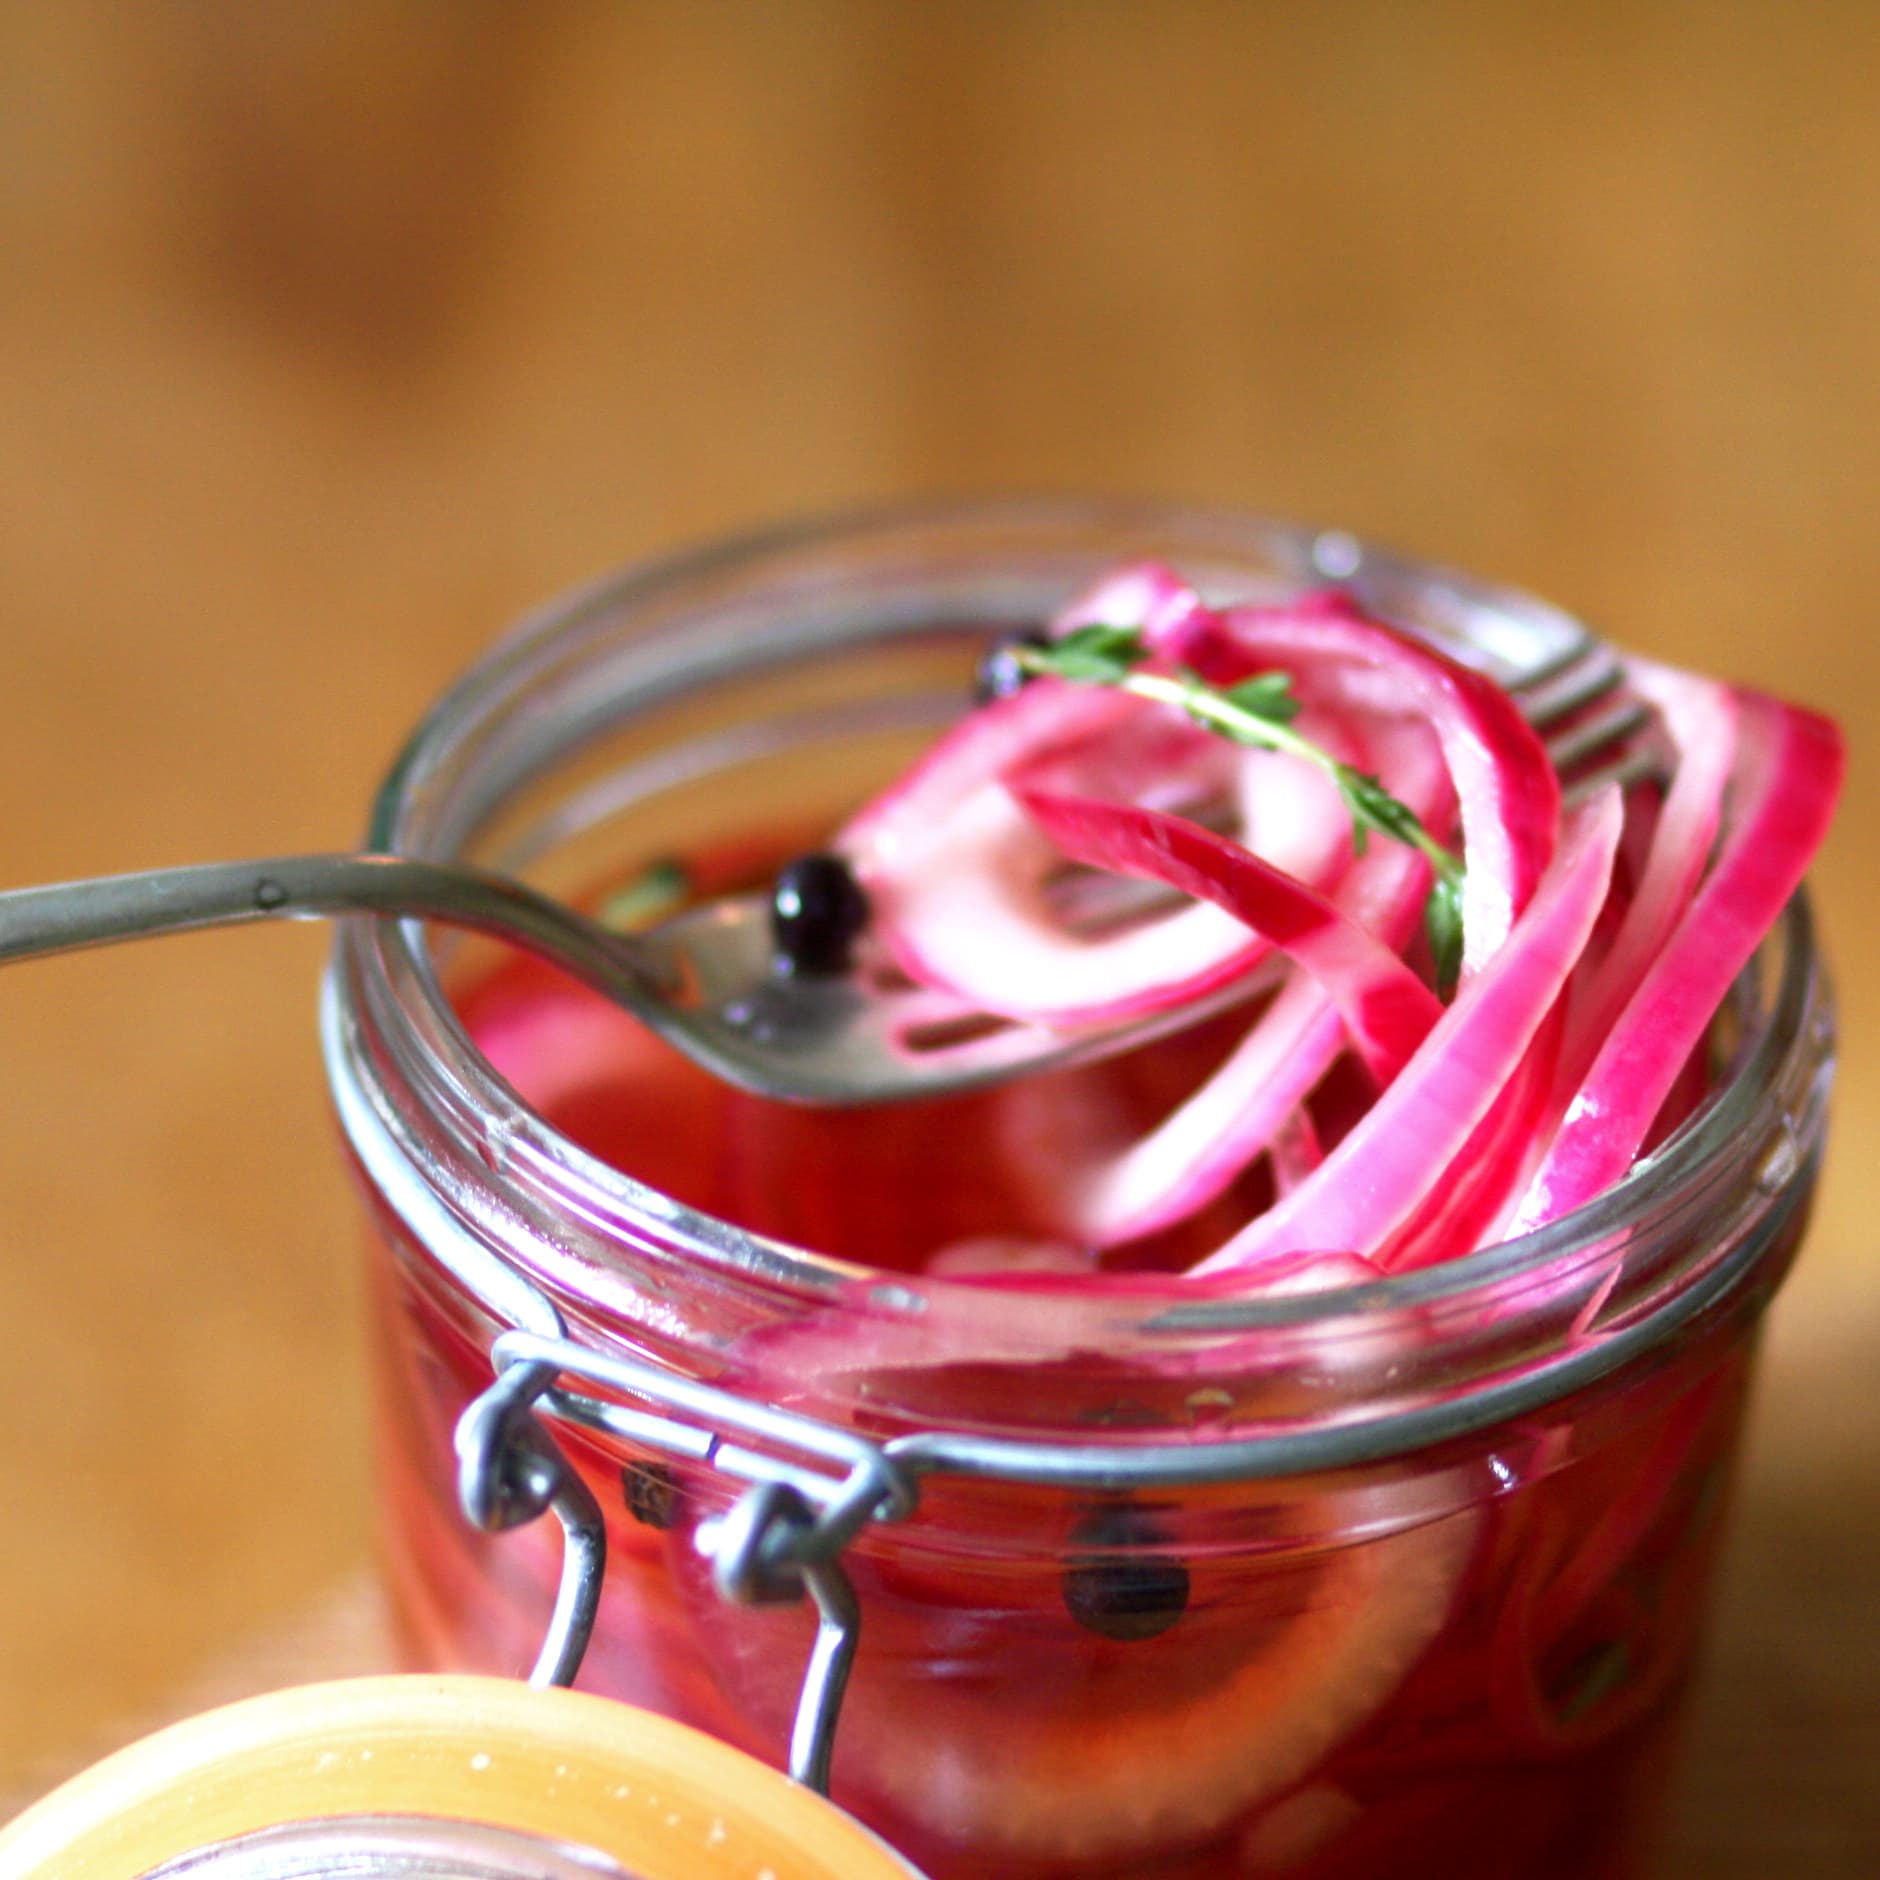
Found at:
[1148, 1578]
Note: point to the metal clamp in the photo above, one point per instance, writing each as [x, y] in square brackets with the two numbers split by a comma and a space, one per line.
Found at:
[812, 1488]
[510, 1471]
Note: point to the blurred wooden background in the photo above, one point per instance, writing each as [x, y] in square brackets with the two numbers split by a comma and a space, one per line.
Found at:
[332, 336]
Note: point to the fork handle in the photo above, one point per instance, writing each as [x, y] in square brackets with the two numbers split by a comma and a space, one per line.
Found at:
[66, 916]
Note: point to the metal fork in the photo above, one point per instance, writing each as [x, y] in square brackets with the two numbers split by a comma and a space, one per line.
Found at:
[707, 980]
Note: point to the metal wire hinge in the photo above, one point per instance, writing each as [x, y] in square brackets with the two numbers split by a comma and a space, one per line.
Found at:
[812, 1487]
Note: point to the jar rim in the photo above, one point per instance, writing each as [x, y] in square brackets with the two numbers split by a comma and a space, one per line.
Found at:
[385, 965]
[435, 1774]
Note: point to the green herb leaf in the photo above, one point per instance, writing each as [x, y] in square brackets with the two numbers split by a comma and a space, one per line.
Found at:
[662, 888]
[1384, 812]
[1094, 655]
[1442, 921]
[1351, 788]
[1267, 696]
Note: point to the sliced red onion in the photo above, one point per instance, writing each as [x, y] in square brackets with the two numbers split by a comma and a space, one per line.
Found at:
[1202, 1147]
[1580, 998]
[957, 871]
[1509, 795]
[1378, 1174]
[1145, 595]
[1200, 1150]
[1698, 719]
[1295, 1150]
[1787, 772]
[957, 878]
[977, 751]
[1387, 1009]
[1458, 1213]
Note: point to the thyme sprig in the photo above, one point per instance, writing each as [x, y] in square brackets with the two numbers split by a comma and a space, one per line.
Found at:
[1258, 712]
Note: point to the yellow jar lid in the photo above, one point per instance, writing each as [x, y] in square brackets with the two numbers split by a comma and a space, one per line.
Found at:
[661, 1800]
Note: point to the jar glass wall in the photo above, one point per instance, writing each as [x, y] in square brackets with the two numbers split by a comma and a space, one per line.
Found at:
[1196, 1584]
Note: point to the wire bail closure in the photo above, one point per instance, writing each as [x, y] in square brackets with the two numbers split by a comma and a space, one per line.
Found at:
[780, 1541]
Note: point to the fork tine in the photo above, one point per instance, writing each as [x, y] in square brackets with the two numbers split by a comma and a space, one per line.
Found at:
[1636, 766]
[1543, 672]
[1545, 701]
[1559, 692]
[1572, 748]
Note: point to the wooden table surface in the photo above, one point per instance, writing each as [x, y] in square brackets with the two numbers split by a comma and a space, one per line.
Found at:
[331, 338]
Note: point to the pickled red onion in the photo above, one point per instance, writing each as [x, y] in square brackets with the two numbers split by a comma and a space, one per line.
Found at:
[1584, 987]
[1785, 778]
[1387, 1010]
[1368, 1185]
[1509, 795]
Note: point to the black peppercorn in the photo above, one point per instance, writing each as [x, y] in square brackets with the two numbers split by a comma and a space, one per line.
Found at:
[651, 1495]
[998, 674]
[817, 913]
[1116, 1585]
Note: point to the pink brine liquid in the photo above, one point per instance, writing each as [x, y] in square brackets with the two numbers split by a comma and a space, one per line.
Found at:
[1463, 1664]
